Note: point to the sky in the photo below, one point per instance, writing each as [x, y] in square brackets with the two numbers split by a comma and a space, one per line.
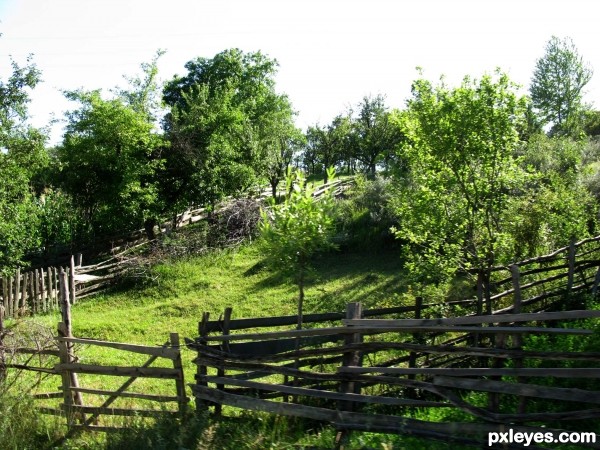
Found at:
[331, 53]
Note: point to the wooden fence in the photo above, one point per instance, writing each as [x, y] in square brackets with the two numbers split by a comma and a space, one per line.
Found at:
[363, 372]
[92, 412]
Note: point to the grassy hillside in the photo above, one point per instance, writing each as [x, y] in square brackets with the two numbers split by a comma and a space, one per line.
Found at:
[174, 301]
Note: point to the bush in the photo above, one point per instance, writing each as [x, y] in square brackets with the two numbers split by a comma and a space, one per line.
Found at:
[365, 217]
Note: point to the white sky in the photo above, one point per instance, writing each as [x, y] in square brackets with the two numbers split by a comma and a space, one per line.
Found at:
[331, 52]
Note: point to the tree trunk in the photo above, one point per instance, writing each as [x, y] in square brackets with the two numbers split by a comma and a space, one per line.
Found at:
[149, 225]
[274, 183]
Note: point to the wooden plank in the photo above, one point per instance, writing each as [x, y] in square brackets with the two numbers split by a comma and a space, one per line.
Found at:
[474, 320]
[179, 381]
[164, 352]
[378, 330]
[120, 371]
[276, 346]
[371, 422]
[6, 298]
[520, 389]
[472, 372]
[47, 395]
[278, 321]
[123, 411]
[153, 397]
[317, 393]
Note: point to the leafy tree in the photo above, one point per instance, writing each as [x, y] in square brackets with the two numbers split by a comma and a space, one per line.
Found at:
[227, 127]
[22, 157]
[292, 232]
[462, 172]
[329, 143]
[375, 137]
[557, 85]
[108, 158]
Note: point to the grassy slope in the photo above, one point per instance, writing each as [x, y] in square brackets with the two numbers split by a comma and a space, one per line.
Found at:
[185, 289]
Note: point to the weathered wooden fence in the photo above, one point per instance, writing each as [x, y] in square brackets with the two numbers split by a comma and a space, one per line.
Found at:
[89, 413]
[359, 372]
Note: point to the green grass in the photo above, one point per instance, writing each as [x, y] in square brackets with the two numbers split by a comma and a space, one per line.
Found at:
[174, 302]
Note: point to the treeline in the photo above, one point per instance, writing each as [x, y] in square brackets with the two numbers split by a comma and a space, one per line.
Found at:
[467, 176]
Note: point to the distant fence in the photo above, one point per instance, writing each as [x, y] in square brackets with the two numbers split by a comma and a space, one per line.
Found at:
[36, 291]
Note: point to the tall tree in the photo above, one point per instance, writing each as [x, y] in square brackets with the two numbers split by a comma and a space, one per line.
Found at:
[330, 142]
[226, 126]
[462, 172]
[375, 136]
[22, 155]
[108, 158]
[557, 85]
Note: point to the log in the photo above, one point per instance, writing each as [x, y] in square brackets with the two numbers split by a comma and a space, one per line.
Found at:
[520, 389]
[153, 397]
[120, 371]
[475, 320]
[472, 372]
[317, 393]
[164, 352]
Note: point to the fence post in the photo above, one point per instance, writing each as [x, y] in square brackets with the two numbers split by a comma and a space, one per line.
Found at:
[571, 262]
[5, 297]
[24, 293]
[224, 348]
[179, 382]
[350, 358]
[202, 405]
[15, 305]
[517, 339]
[2, 359]
[66, 331]
[412, 356]
[72, 280]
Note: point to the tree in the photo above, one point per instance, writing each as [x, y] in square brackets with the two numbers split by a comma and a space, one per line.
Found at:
[108, 156]
[22, 157]
[557, 85]
[292, 232]
[329, 143]
[226, 126]
[462, 172]
[375, 137]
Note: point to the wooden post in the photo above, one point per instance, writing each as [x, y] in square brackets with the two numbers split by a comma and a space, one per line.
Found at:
[43, 293]
[79, 260]
[15, 305]
[63, 353]
[179, 382]
[517, 339]
[412, 357]
[5, 297]
[36, 303]
[72, 280]
[68, 332]
[224, 348]
[350, 358]
[23, 302]
[2, 359]
[571, 258]
[202, 405]
[10, 295]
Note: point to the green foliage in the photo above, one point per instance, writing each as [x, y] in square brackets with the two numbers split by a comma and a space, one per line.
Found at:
[328, 144]
[375, 135]
[108, 161]
[293, 231]
[22, 158]
[557, 86]
[366, 216]
[461, 174]
[227, 126]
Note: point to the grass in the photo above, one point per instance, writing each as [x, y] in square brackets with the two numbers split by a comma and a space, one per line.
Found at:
[174, 302]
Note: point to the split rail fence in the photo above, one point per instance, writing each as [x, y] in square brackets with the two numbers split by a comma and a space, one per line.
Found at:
[371, 370]
[81, 403]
